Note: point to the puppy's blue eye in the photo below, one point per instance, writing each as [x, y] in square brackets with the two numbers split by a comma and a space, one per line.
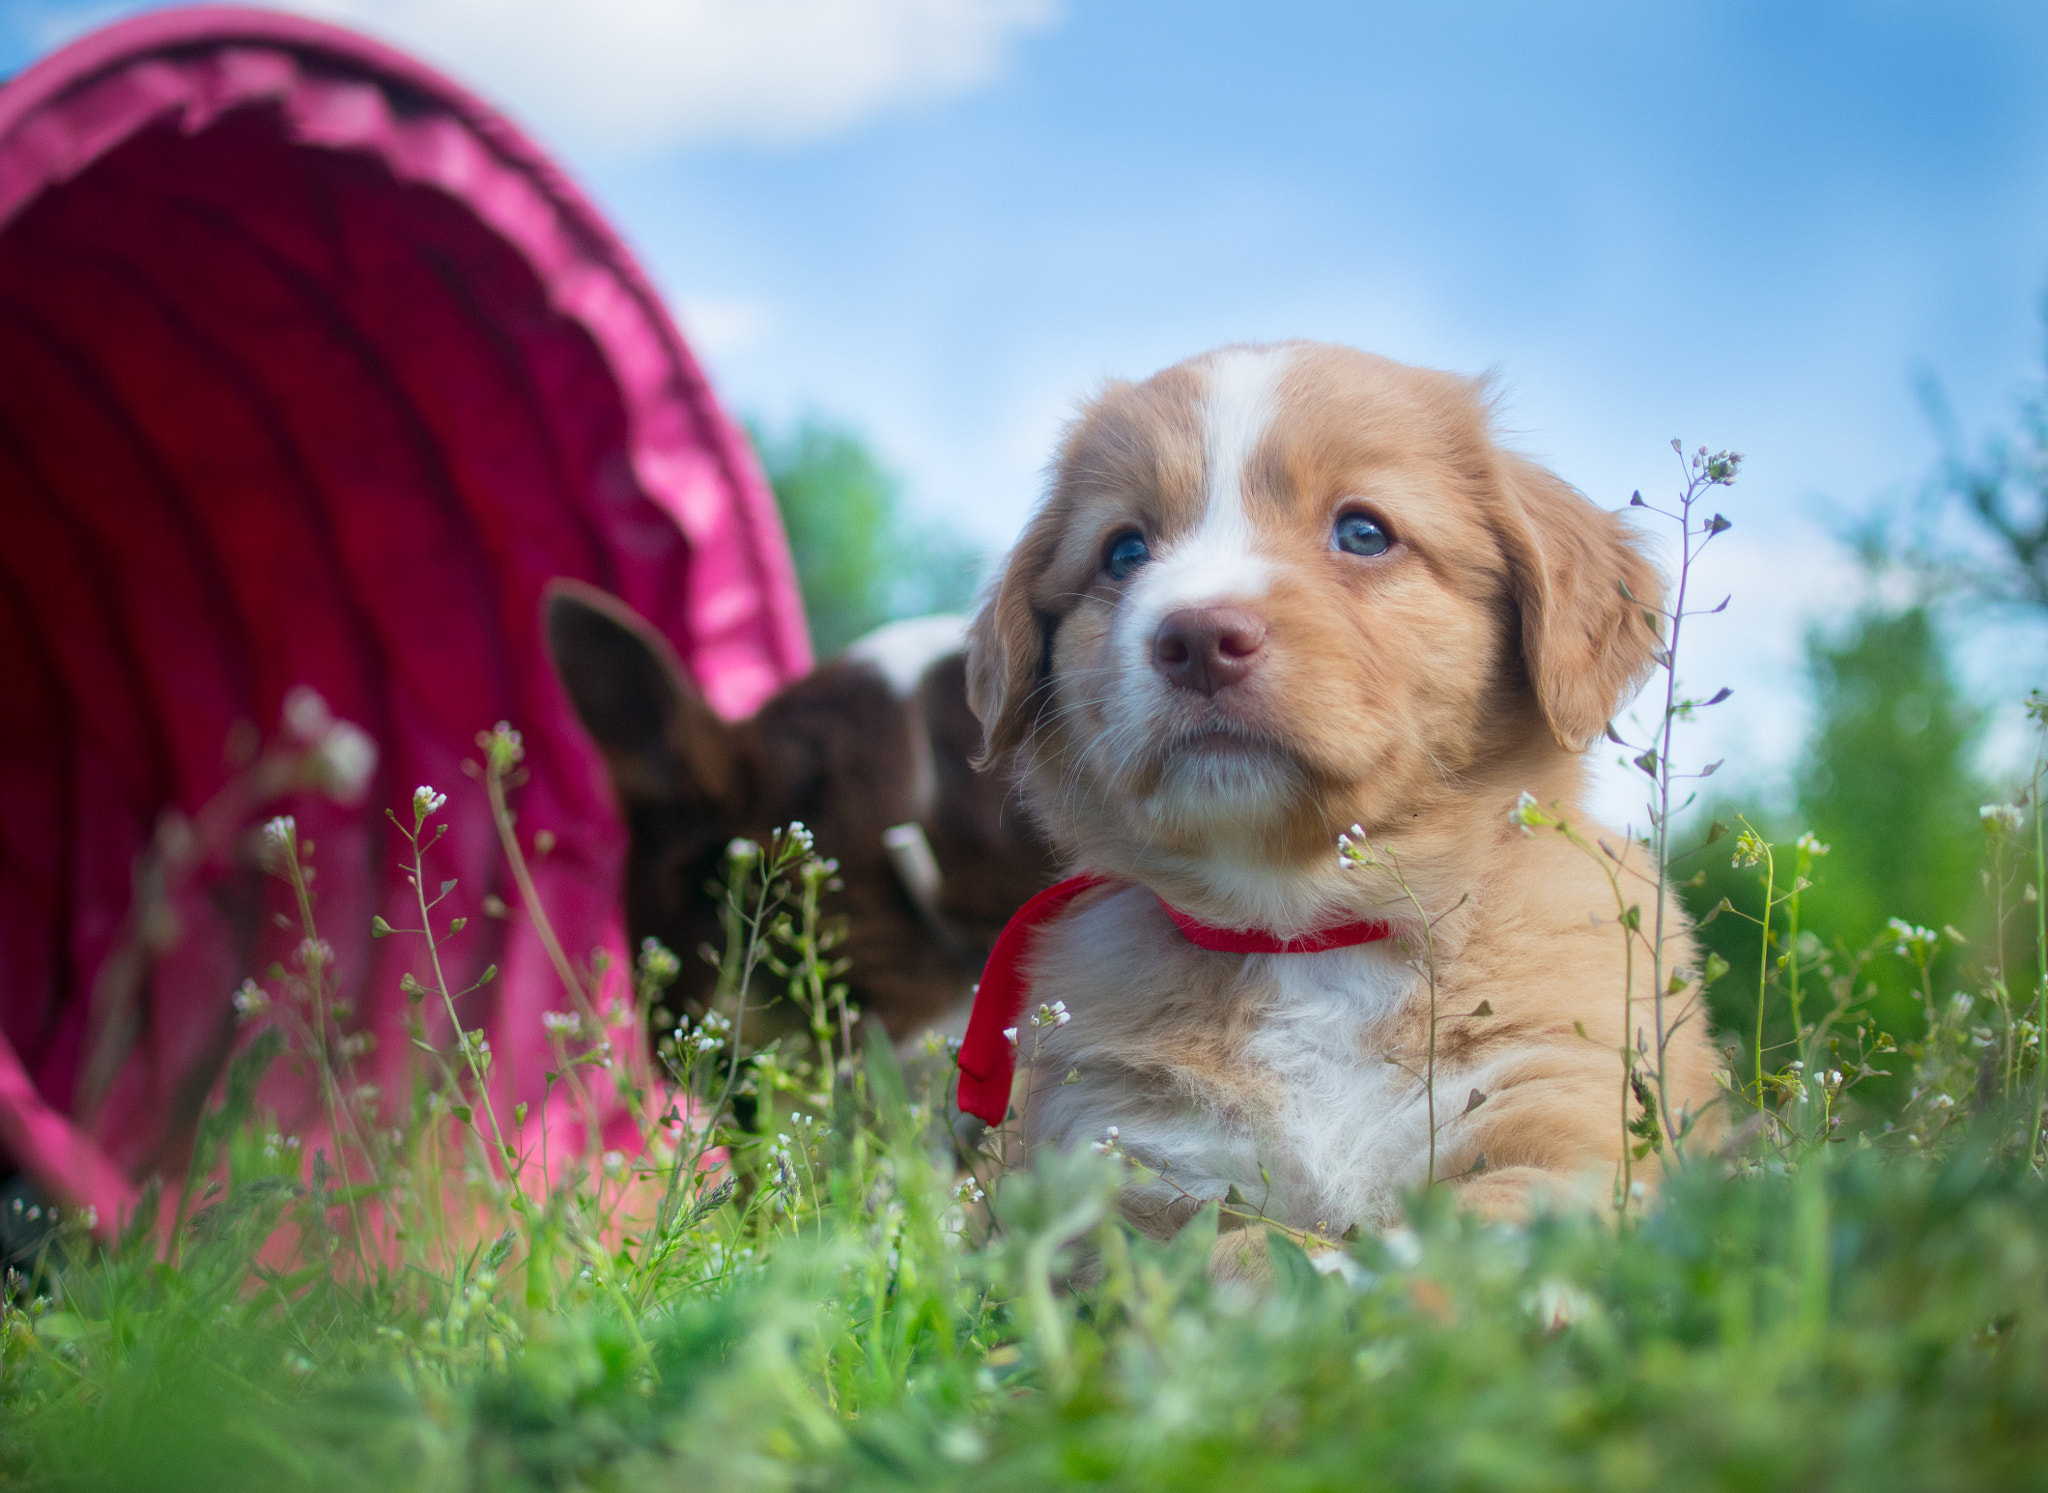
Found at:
[1126, 555]
[1357, 534]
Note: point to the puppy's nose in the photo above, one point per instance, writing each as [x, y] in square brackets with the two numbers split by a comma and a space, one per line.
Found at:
[1206, 648]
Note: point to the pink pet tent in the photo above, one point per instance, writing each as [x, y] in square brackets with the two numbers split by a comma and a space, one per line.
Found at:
[313, 373]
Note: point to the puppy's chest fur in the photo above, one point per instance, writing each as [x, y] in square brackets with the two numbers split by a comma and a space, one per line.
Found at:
[1286, 1076]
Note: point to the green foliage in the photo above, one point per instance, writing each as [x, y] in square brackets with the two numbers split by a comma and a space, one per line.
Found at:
[1861, 1322]
[1885, 783]
[1887, 779]
[859, 560]
[819, 1298]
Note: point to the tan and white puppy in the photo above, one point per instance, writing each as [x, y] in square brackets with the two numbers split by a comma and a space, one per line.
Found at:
[1271, 593]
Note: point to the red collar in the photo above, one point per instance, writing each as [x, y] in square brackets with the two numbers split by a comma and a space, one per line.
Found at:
[988, 1058]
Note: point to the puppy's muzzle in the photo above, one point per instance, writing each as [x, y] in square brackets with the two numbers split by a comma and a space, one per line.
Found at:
[1208, 648]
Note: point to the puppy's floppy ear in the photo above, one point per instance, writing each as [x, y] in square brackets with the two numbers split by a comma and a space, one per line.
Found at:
[661, 741]
[1007, 644]
[1581, 583]
[1005, 661]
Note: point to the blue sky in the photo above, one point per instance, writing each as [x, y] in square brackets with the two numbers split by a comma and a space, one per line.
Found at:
[1742, 224]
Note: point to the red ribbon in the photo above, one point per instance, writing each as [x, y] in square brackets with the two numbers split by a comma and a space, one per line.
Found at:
[988, 1059]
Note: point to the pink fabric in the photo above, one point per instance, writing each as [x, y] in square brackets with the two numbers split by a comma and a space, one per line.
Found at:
[313, 372]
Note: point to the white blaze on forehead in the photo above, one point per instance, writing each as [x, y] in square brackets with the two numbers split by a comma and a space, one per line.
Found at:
[1220, 561]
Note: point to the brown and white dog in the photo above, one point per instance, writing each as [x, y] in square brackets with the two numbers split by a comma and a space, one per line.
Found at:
[1272, 593]
[872, 750]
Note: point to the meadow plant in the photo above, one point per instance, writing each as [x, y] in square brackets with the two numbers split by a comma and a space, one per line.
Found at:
[1676, 992]
[794, 1283]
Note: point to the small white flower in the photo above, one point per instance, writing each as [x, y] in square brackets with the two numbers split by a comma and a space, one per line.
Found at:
[741, 851]
[1010, 1035]
[251, 1001]
[1912, 941]
[564, 1022]
[426, 802]
[345, 761]
[614, 1162]
[1811, 846]
[969, 1191]
[503, 745]
[658, 962]
[2002, 818]
[306, 715]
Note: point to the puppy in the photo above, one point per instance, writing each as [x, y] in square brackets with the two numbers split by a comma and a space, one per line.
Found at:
[872, 751]
[1273, 593]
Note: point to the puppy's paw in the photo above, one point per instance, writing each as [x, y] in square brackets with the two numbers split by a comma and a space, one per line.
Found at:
[1515, 1194]
[1244, 1257]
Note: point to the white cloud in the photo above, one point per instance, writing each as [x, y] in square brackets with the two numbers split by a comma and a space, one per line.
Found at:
[723, 326]
[636, 75]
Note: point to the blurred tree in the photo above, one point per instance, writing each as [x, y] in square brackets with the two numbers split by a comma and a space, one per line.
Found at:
[859, 560]
[2001, 488]
[1886, 781]
[1888, 772]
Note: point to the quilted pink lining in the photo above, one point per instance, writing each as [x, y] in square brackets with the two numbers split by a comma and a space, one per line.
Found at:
[314, 372]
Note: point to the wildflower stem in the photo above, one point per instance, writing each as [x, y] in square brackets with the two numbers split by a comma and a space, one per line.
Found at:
[501, 816]
[2040, 940]
[477, 1071]
[1661, 829]
[314, 962]
[1800, 866]
[1763, 961]
[1356, 850]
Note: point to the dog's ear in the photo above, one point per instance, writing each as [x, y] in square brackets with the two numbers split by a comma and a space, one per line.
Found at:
[662, 742]
[1582, 585]
[1007, 643]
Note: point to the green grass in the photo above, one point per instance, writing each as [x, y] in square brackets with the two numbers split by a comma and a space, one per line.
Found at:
[1812, 1311]
[797, 1287]
[1864, 1321]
